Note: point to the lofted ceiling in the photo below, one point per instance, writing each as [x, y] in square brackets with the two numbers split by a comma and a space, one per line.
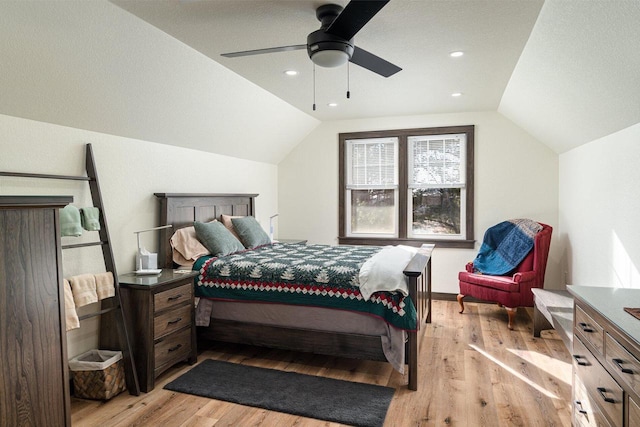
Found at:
[416, 35]
[565, 71]
[578, 77]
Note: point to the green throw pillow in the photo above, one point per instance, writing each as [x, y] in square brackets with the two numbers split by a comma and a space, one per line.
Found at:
[251, 233]
[215, 237]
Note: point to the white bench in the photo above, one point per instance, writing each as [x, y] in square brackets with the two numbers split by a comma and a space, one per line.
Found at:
[553, 309]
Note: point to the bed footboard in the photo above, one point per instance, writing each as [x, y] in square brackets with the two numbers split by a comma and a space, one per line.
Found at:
[418, 271]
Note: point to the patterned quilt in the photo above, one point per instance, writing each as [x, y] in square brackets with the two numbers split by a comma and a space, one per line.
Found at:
[311, 275]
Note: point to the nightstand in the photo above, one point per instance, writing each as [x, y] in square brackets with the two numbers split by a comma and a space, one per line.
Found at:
[292, 241]
[161, 317]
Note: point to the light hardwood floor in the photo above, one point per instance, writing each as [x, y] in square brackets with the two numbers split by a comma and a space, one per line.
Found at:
[473, 372]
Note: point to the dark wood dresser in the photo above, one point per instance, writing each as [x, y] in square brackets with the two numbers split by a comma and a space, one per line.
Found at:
[34, 378]
[606, 357]
[160, 310]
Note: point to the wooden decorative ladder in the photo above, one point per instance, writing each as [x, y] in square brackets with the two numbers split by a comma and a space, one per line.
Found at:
[111, 311]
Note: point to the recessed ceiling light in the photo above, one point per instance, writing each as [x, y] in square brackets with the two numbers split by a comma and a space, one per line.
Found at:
[456, 54]
[456, 94]
[291, 73]
[332, 104]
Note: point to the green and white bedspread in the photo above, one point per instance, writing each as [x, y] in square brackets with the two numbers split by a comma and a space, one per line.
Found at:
[311, 275]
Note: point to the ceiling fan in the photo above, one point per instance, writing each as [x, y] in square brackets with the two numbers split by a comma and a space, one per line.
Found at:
[332, 45]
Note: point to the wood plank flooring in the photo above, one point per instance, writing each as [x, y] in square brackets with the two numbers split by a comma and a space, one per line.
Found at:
[473, 372]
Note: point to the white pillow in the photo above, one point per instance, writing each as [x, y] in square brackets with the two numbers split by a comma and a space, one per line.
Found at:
[186, 246]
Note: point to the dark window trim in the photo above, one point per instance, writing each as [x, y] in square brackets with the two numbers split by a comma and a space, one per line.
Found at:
[402, 135]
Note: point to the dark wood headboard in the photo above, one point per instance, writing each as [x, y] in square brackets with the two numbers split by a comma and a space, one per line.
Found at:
[182, 209]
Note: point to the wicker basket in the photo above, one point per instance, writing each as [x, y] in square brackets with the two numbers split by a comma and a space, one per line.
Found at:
[98, 374]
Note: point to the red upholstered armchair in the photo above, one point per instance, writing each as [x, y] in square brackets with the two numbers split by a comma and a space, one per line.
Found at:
[510, 291]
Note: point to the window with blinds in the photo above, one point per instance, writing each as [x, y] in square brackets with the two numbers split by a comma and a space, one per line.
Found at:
[407, 184]
[436, 186]
[372, 187]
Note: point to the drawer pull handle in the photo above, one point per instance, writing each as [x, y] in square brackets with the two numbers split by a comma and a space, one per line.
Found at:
[618, 363]
[173, 322]
[175, 297]
[602, 391]
[579, 406]
[172, 349]
[585, 327]
[579, 361]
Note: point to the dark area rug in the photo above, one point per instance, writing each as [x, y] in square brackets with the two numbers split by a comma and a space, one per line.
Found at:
[306, 395]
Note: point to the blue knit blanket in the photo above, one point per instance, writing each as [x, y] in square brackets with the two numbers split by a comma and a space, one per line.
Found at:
[505, 245]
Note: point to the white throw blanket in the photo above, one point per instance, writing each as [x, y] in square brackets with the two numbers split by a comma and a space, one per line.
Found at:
[384, 271]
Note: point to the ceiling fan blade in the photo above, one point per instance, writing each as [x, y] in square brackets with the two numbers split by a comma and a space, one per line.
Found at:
[355, 16]
[267, 50]
[373, 63]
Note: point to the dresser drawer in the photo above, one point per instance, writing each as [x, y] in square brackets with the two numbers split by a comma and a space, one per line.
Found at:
[171, 321]
[601, 387]
[172, 297]
[623, 363]
[590, 330]
[172, 348]
[585, 412]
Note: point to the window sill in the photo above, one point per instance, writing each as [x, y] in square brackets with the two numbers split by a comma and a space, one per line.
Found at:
[456, 244]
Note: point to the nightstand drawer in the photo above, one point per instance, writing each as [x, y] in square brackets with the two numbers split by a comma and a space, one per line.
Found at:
[591, 330]
[171, 321]
[173, 297]
[172, 348]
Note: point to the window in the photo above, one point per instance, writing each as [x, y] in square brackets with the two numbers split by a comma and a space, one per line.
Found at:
[407, 185]
[372, 187]
[437, 178]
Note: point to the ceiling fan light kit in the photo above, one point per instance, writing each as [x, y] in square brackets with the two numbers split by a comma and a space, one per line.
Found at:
[330, 58]
[327, 50]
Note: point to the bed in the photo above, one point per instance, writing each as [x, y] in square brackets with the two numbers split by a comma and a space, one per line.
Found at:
[296, 327]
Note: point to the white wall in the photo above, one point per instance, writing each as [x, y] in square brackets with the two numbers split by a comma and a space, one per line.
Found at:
[599, 211]
[130, 171]
[515, 176]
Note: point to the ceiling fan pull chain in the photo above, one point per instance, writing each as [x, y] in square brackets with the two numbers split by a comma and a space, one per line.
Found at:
[348, 92]
[314, 87]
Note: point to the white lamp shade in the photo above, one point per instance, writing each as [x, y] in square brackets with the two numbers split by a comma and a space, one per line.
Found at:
[330, 58]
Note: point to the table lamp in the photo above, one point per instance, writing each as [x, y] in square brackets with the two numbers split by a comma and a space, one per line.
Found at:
[146, 262]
